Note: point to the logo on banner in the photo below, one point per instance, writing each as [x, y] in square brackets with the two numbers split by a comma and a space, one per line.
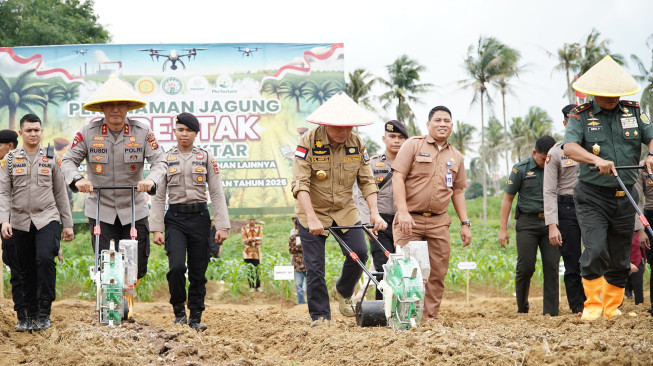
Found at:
[224, 81]
[146, 86]
[197, 85]
[172, 85]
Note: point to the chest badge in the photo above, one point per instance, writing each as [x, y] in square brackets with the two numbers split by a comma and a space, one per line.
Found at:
[596, 149]
[98, 168]
[321, 175]
[593, 120]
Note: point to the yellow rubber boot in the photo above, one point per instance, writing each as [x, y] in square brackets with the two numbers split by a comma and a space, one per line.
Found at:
[613, 296]
[593, 305]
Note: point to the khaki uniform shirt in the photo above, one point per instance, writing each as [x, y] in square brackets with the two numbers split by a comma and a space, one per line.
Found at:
[115, 162]
[381, 166]
[332, 197]
[526, 179]
[425, 168]
[186, 181]
[252, 249]
[560, 178]
[37, 194]
[616, 136]
[644, 186]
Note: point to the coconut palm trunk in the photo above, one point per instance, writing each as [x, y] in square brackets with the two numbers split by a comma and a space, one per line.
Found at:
[483, 165]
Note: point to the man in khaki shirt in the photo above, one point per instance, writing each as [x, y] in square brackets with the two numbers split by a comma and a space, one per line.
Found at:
[115, 149]
[187, 222]
[428, 172]
[328, 160]
[560, 178]
[33, 200]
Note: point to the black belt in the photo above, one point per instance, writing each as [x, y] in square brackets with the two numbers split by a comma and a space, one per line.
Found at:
[426, 214]
[387, 217]
[535, 214]
[608, 191]
[189, 208]
[566, 199]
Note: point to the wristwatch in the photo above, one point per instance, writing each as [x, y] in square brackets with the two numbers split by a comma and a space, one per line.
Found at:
[650, 153]
[468, 223]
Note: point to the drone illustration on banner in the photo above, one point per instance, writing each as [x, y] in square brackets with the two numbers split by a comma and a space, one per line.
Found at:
[173, 56]
[80, 52]
[247, 52]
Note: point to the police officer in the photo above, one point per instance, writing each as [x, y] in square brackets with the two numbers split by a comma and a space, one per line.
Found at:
[526, 179]
[394, 136]
[32, 202]
[115, 149]
[427, 173]
[606, 133]
[644, 186]
[188, 222]
[8, 142]
[328, 159]
[252, 235]
[560, 177]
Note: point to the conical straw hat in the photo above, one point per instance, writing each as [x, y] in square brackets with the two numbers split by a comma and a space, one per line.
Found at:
[114, 90]
[340, 110]
[607, 79]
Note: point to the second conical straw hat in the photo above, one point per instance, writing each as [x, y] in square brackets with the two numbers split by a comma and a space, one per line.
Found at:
[340, 110]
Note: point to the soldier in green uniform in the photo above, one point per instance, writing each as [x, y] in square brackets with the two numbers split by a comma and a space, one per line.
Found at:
[606, 133]
[526, 179]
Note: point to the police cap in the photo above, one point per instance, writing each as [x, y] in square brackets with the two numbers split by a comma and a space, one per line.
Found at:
[396, 126]
[189, 121]
[7, 136]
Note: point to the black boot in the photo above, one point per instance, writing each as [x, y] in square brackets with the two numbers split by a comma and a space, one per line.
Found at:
[30, 319]
[195, 319]
[180, 313]
[22, 325]
[43, 319]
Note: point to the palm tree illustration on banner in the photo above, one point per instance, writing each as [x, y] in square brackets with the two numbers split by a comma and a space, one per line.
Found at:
[22, 93]
[321, 93]
[294, 90]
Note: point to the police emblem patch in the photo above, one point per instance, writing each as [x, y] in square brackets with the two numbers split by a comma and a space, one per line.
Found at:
[98, 168]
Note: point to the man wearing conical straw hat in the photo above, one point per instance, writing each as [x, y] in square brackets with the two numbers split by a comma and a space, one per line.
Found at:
[328, 160]
[115, 149]
[605, 133]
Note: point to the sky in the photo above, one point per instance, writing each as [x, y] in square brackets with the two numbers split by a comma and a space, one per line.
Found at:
[436, 34]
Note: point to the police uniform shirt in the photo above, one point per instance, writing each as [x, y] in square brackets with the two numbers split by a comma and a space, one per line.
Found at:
[37, 193]
[560, 178]
[526, 178]
[115, 161]
[614, 135]
[331, 197]
[425, 168]
[186, 180]
[381, 166]
[253, 249]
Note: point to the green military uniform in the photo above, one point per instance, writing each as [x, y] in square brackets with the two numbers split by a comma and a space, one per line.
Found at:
[606, 217]
[526, 178]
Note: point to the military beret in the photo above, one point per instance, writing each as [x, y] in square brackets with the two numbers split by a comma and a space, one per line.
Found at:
[396, 126]
[189, 120]
[567, 109]
[60, 143]
[7, 136]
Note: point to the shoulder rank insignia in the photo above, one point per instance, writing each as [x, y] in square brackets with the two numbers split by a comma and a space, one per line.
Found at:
[630, 103]
[582, 107]
[548, 158]
[2, 163]
[514, 170]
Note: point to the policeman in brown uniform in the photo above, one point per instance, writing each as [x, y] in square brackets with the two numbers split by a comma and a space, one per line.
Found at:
[328, 160]
[8, 142]
[187, 222]
[560, 178]
[32, 202]
[115, 149]
[428, 172]
[644, 187]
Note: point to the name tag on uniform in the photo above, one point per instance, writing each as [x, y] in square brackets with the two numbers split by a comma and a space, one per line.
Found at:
[628, 122]
[594, 128]
[424, 154]
[449, 179]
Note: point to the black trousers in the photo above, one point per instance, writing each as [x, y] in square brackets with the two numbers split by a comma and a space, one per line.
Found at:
[313, 245]
[253, 275]
[186, 234]
[117, 231]
[10, 258]
[636, 283]
[606, 224]
[571, 251]
[378, 256]
[36, 251]
[532, 234]
[649, 254]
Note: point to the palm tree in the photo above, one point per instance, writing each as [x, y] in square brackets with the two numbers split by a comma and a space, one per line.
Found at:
[569, 59]
[272, 87]
[70, 93]
[360, 86]
[321, 93]
[594, 50]
[21, 94]
[462, 136]
[646, 78]
[53, 94]
[494, 144]
[294, 90]
[509, 68]
[403, 82]
[483, 63]
[525, 131]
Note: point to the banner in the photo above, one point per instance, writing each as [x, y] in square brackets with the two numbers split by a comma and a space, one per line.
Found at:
[251, 101]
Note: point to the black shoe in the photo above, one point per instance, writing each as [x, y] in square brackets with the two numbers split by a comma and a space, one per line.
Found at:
[180, 314]
[629, 295]
[42, 320]
[577, 310]
[195, 321]
[22, 325]
[30, 320]
[650, 310]
[42, 323]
